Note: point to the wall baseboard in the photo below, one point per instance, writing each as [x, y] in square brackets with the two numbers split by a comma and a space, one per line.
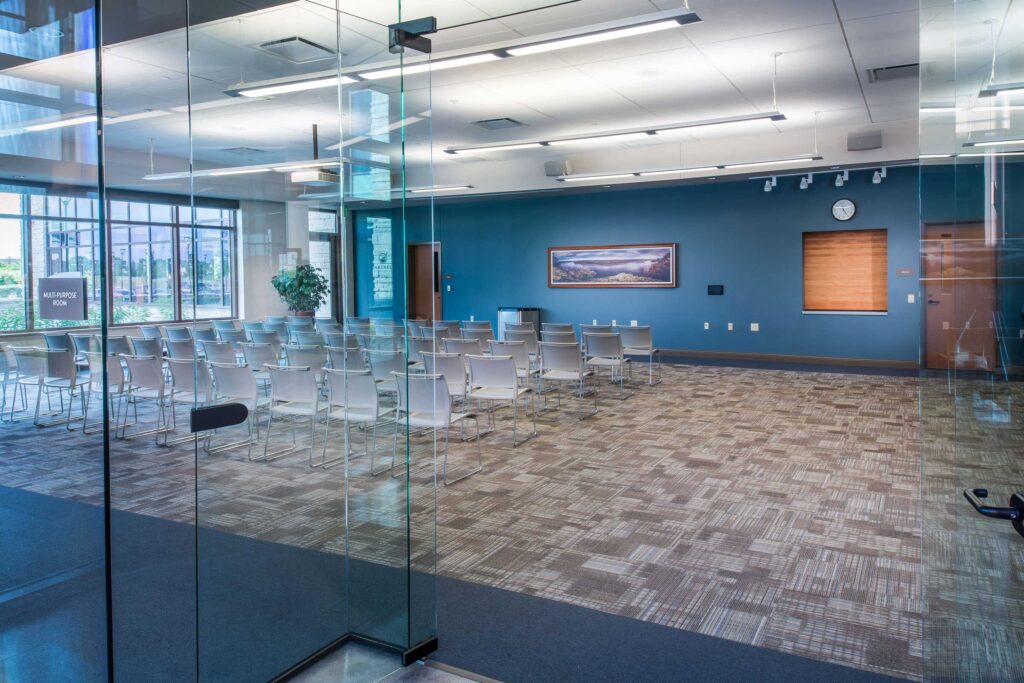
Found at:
[786, 358]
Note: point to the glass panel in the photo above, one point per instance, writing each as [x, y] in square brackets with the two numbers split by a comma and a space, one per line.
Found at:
[972, 425]
[52, 535]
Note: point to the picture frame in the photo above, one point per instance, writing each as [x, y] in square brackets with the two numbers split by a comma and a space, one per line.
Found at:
[613, 265]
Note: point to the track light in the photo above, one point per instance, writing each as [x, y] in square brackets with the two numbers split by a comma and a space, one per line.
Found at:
[841, 178]
[806, 181]
[876, 179]
[770, 183]
[693, 169]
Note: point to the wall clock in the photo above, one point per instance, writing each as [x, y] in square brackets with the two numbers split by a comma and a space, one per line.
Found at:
[843, 209]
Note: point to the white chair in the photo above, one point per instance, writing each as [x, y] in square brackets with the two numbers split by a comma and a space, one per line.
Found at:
[557, 327]
[145, 383]
[11, 376]
[280, 329]
[637, 341]
[383, 364]
[350, 360]
[528, 337]
[325, 325]
[417, 327]
[219, 352]
[359, 330]
[494, 379]
[274, 320]
[312, 356]
[299, 320]
[180, 349]
[482, 335]
[464, 347]
[303, 338]
[267, 337]
[417, 345]
[520, 327]
[382, 342]
[340, 339]
[237, 384]
[177, 333]
[452, 367]
[558, 337]
[258, 357]
[450, 326]
[190, 385]
[145, 346]
[150, 331]
[476, 324]
[294, 394]
[234, 336]
[352, 397]
[204, 334]
[424, 405]
[117, 345]
[594, 329]
[563, 364]
[520, 356]
[225, 325]
[114, 389]
[295, 328]
[250, 327]
[605, 351]
[49, 370]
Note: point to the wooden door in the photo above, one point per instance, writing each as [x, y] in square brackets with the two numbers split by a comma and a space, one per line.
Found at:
[959, 277]
[424, 281]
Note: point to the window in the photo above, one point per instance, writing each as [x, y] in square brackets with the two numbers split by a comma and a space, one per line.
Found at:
[150, 277]
[846, 270]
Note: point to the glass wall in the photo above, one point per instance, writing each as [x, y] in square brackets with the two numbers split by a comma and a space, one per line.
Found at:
[973, 347]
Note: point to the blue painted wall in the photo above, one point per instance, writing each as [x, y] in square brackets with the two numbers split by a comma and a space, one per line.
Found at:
[730, 233]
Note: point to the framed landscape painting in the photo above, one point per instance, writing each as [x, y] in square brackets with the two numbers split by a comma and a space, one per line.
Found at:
[617, 265]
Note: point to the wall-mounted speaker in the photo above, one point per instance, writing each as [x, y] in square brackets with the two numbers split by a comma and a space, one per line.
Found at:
[716, 290]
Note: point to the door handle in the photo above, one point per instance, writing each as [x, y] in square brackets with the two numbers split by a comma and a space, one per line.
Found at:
[932, 302]
[1014, 513]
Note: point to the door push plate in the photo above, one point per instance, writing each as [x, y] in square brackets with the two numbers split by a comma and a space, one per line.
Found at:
[215, 417]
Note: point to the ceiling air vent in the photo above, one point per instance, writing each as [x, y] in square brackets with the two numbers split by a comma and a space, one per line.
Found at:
[296, 50]
[498, 124]
[891, 73]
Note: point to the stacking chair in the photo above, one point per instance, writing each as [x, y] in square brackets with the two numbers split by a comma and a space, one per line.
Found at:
[49, 370]
[10, 377]
[309, 338]
[452, 367]
[359, 329]
[350, 360]
[267, 337]
[341, 339]
[464, 347]
[26, 367]
[190, 385]
[605, 351]
[295, 328]
[528, 337]
[234, 336]
[219, 352]
[494, 379]
[520, 327]
[558, 337]
[228, 325]
[312, 356]
[177, 333]
[299, 320]
[594, 329]
[476, 324]
[350, 320]
[381, 342]
[452, 327]
[180, 349]
[563, 364]
[281, 329]
[637, 341]
[383, 364]
[116, 345]
[144, 346]
[417, 327]
[424, 405]
[557, 327]
[520, 356]
[484, 334]
[418, 345]
[114, 392]
[274, 320]
[145, 383]
[352, 397]
[84, 343]
[324, 325]
[237, 384]
[150, 331]
[204, 334]
[250, 327]
[57, 341]
[258, 357]
[294, 394]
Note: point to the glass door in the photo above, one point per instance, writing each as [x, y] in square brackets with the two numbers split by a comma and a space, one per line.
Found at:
[972, 422]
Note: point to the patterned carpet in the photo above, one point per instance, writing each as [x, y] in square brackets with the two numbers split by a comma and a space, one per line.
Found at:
[777, 508]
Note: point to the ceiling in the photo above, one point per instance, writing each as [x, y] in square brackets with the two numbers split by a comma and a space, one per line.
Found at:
[720, 67]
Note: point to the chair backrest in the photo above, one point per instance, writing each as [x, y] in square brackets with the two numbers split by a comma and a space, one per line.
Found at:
[29, 361]
[224, 325]
[231, 335]
[603, 346]
[476, 324]
[191, 377]
[417, 345]
[359, 329]
[57, 341]
[464, 347]
[341, 339]
[529, 337]
[519, 327]
[281, 329]
[299, 320]
[352, 389]
[150, 331]
[355, 320]
[273, 320]
[180, 349]
[113, 367]
[289, 383]
[559, 356]
[516, 349]
[235, 382]
[450, 365]
[323, 325]
[414, 327]
[382, 342]
[118, 345]
[258, 356]
[177, 333]
[204, 334]
[60, 364]
[452, 326]
[425, 395]
[558, 337]
[557, 327]
[483, 334]
[144, 346]
[220, 352]
[85, 343]
[145, 372]
[383, 363]
[266, 337]
[492, 371]
[340, 358]
[312, 356]
[308, 338]
[249, 326]
[638, 337]
[594, 329]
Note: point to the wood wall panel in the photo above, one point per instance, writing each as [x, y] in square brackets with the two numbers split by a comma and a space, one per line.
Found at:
[846, 270]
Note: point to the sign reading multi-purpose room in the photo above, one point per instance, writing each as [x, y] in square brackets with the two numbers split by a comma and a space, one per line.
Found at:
[63, 298]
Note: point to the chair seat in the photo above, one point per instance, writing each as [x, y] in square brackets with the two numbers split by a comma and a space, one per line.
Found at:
[250, 405]
[526, 372]
[360, 415]
[61, 383]
[565, 375]
[146, 393]
[607, 362]
[302, 408]
[636, 351]
[498, 393]
[420, 420]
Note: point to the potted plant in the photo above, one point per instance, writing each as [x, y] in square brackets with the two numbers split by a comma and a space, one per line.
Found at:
[304, 289]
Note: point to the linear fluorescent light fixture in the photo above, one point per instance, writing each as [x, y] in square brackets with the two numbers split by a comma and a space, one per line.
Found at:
[285, 168]
[62, 123]
[440, 188]
[757, 164]
[238, 171]
[670, 171]
[269, 88]
[637, 29]
[994, 143]
[993, 89]
[423, 67]
[935, 156]
[619, 136]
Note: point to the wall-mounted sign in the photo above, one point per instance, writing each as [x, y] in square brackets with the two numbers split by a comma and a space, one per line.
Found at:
[905, 272]
[63, 298]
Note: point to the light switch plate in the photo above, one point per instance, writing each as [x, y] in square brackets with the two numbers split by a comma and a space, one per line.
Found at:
[472, 318]
[755, 327]
[632, 323]
[448, 288]
[730, 327]
[945, 324]
[615, 323]
[593, 322]
[911, 298]
[707, 326]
